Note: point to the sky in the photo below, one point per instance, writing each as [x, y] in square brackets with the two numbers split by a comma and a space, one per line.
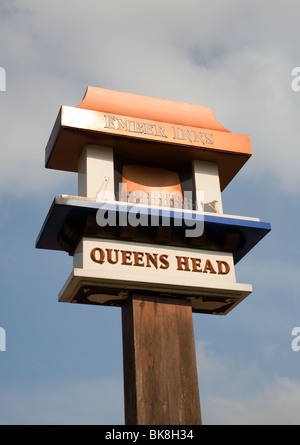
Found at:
[62, 363]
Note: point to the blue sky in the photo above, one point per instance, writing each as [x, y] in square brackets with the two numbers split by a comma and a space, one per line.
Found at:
[63, 362]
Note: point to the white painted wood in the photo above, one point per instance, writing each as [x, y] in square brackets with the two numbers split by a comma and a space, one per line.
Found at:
[96, 173]
[151, 263]
[207, 183]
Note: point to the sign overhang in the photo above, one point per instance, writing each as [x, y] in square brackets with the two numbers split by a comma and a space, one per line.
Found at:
[186, 132]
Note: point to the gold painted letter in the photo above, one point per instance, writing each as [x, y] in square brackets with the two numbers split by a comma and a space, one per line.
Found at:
[98, 255]
[223, 267]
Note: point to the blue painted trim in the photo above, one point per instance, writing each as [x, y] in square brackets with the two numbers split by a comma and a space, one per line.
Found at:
[76, 210]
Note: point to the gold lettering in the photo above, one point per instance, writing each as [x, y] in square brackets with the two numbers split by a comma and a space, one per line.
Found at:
[146, 259]
[109, 256]
[200, 135]
[125, 125]
[149, 129]
[221, 270]
[188, 134]
[151, 259]
[126, 257]
[208, 267]
[176, 135]
[182, 261]
[138, 259]
[109, 121]
[164, 260]
[209, 138]
[97, 255]
[160, 131]
[138, 127]
[196, 263]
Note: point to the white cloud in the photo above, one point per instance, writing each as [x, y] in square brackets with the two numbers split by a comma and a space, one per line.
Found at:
[234, 56]
[225, 394]
[274, 273]
[277, 404]
[236, 393]
[229, 56]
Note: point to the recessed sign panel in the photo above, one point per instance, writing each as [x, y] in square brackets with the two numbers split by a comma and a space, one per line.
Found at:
[107, 272]
[152, 263]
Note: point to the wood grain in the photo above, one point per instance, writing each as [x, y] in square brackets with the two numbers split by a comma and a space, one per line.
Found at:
[160, 373]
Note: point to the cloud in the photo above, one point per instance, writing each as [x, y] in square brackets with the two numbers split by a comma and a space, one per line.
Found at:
[181, 52]
[229, 395]
[276, 274]
[235, 393]
[217, 374]
[234, 56]
[277, 404]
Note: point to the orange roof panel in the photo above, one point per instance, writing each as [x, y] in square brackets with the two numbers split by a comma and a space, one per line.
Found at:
[149, 108]
[147, 129]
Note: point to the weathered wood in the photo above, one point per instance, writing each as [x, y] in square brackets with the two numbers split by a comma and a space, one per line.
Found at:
[160, 373]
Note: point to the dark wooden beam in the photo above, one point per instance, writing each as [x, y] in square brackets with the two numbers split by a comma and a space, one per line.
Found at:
[160, 373]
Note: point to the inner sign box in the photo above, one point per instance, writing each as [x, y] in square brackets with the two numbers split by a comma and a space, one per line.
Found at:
[105, 272]
[142, 161]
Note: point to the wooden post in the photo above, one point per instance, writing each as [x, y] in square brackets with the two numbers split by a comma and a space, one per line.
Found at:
[160, 373]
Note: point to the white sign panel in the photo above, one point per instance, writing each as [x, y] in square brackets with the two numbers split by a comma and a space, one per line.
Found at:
[107, 271]
[146, 262]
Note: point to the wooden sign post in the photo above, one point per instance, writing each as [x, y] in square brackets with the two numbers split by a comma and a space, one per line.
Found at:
[160, 370]
[147, 233]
